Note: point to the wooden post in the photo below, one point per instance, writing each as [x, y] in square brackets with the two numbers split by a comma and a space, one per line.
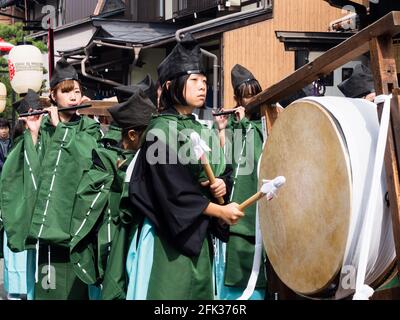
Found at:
[271, 113]
[383, 67]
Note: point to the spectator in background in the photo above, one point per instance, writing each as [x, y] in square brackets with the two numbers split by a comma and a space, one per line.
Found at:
[5, 141]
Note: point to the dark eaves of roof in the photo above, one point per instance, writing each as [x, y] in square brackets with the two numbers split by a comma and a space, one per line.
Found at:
[158, 33]
[86, 20]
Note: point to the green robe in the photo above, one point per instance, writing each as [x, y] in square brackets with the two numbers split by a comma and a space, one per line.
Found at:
[112, 137]
[240, 247]
[96, 215]
[99, 249]
[174, 274]
[39, 186]
[115, 283]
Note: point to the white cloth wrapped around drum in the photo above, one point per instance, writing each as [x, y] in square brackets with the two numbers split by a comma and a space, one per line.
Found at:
[325, 147]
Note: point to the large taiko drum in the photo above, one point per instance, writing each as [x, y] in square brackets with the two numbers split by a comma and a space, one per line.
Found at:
[325, 147]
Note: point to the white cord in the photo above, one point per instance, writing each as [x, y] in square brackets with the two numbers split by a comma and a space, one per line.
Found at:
[363, 291]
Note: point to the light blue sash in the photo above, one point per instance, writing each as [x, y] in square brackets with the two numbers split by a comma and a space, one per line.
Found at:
[140, 261]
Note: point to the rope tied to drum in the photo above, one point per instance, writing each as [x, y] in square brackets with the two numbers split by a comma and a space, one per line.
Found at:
[363, 291]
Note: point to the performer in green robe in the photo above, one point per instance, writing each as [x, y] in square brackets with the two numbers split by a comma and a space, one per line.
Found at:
[99, 242]
[40, 183]
[133, 116]
[242, 135]
[170, 255]
[17, 282]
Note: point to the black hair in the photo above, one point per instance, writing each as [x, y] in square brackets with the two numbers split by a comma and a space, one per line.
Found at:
[19, 129]
[4, 123]
[173, 95]
[139, 130]
[249, 89]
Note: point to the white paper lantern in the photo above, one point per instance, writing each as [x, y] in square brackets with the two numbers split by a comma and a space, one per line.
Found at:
[25, 67]
[3, 96]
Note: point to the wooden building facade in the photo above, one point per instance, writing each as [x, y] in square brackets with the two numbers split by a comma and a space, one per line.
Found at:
[257, 47]
[6, 13]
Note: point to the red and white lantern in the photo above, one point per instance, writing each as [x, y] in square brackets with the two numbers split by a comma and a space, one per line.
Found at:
[5, 46]
[25, 66]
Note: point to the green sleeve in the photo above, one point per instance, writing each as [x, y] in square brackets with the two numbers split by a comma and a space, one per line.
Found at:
[19, 182]
[125, 223]
[89, 212]
[67, 151]
[115, 283]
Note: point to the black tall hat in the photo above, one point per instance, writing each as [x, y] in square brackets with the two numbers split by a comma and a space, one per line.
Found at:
[147, 85]
[360, 83]
[63, 71]
[30, 101]
[185, 58]
[239, 75]
[136, 112]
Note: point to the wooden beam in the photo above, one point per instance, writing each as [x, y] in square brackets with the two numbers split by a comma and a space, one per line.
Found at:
[98, 108]
[271, 114]
[95, 111]
[334, 58]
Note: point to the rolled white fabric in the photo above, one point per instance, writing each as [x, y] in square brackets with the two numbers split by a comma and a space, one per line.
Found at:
[358, 120]
[363, 291]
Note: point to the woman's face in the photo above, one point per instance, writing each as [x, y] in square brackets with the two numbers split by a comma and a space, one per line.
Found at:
[68, 99]
[195, 90]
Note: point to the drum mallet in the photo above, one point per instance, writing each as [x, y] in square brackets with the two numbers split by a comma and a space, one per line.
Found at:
[200, 149]
[268, 189]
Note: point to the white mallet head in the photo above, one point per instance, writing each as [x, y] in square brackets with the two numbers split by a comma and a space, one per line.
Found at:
[270, 187]
[199, 145]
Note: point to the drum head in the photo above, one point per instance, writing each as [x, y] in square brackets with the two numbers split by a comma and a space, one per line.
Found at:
[305, 228]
